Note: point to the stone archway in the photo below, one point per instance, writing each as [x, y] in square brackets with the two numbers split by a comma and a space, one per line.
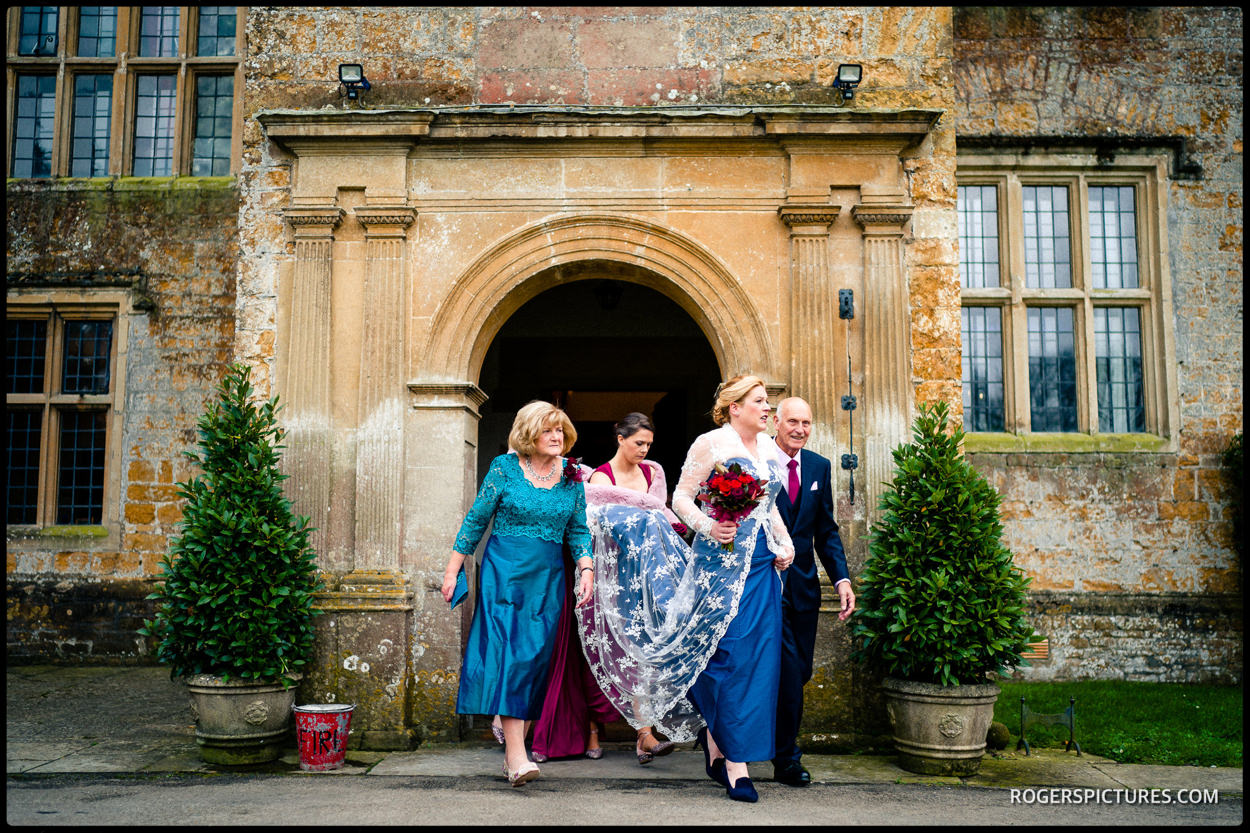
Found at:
[499, 282]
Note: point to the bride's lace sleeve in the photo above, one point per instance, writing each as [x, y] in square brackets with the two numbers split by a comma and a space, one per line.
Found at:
[699, 461]
[780, 534]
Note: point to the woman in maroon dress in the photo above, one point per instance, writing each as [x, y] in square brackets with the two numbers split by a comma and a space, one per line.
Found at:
[575, 709]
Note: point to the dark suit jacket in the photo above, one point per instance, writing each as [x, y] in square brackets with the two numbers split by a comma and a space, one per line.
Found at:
[814, 532]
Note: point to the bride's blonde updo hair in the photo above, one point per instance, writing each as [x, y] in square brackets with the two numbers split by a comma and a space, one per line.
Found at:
[731, 391]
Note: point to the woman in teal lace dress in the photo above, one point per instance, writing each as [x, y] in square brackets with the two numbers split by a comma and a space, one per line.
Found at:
[537, 506]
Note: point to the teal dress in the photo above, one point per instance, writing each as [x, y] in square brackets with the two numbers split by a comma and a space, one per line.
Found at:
[520, 587]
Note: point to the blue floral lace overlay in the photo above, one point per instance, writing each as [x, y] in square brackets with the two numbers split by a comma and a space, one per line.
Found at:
[521, 508]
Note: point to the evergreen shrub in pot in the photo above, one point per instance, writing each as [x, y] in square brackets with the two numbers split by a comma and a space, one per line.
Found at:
[941, 605]
[234, 614]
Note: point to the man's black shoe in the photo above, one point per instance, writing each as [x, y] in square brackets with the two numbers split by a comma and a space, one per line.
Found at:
[793, 775]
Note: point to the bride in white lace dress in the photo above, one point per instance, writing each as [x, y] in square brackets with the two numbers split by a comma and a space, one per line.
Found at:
[668, 620]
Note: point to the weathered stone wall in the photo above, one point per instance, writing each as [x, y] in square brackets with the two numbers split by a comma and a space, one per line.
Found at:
[606, 56]
[1151, 530]
[172, 244]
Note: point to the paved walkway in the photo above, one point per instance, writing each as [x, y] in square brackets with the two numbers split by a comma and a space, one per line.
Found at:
[128, 720]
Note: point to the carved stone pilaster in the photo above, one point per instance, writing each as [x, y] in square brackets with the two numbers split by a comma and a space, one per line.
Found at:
[380, 432]
[887, 329]
[812, 315]
[307, 415]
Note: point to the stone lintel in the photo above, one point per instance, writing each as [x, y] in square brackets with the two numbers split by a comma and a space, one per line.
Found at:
[291, 127]
[288, 125]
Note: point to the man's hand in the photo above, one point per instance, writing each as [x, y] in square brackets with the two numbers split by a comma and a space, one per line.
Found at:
[847, 596]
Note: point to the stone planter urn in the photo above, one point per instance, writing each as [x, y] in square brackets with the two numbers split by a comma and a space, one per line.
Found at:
[939, 730]
[240, 722]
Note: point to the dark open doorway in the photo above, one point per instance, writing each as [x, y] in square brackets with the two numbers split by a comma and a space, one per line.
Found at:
[600, 348]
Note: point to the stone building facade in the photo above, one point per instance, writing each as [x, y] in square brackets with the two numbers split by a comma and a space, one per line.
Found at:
[523, 189]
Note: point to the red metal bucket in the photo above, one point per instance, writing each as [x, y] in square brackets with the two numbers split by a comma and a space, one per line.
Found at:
[322, 730]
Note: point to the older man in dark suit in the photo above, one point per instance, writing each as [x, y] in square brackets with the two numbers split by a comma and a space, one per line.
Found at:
[806, 504]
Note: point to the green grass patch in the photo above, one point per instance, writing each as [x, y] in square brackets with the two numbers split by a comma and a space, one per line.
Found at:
[1174, 724]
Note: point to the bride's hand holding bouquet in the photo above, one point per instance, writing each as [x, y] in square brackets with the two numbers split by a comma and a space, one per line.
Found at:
[729, 495]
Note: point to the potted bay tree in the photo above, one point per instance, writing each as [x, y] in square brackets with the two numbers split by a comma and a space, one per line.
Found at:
[234, 613]
[941, 603]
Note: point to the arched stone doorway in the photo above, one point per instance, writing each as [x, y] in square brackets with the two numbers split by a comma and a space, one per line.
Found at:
[600, 345]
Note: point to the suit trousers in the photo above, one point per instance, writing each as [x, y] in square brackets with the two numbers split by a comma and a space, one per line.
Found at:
[798, 643]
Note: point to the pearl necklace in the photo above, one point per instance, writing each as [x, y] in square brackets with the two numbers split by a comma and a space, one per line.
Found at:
[541, 478]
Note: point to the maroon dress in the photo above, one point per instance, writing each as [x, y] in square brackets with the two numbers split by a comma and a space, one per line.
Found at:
[573, 697]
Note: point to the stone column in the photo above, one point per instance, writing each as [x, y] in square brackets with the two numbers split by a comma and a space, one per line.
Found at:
[813, 316]
[380, 431]
[306, 415]
[887, 344]
[364, 647]
[442, 465]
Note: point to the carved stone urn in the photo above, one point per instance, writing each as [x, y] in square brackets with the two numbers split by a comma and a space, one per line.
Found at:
[240, 722]
[939, 730]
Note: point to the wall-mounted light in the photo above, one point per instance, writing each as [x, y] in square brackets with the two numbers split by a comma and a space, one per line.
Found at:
[848, 79]
[352, 81]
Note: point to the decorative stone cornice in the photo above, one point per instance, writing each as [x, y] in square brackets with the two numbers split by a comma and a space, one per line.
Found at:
[310, 217]
[808, 215]
[890, 216]
[396, 215]
[447, 395]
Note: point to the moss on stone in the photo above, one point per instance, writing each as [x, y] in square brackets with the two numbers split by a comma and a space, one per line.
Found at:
[74, 531]
[1063, 443]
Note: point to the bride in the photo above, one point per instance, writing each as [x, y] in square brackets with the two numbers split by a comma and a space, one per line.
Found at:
[688, 639]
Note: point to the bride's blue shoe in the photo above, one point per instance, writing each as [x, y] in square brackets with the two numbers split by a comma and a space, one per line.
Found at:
[742, 790]
[715, 769]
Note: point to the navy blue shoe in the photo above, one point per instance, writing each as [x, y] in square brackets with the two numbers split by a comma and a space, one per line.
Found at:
[742, 790]
[714, 769]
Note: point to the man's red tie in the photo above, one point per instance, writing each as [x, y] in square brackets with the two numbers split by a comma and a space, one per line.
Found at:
[793, 487]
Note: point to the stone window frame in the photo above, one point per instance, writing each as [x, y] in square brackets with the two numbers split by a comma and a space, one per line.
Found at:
[125, 66]
[1147, 173]
[75, 304]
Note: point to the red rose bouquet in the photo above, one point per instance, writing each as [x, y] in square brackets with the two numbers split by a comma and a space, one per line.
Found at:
[730, 494]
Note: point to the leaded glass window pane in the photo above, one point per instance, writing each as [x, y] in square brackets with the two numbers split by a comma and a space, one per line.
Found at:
[158, 32]
[32, 125]
[1047, 245]
[1113, 237]
[1052, 369]
[37, 35]
[214, 109]
[27, 345]
[978, 236]
[22, 494]
[216, 32]
[154, 125]
[983, 368]
[93, 108]
[88, 350]
[1118, 359]
[80, 475]
[97, 31]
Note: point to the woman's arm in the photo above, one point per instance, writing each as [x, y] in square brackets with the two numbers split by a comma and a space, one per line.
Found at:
[483, 508]
[578, 536]
[694, 471]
